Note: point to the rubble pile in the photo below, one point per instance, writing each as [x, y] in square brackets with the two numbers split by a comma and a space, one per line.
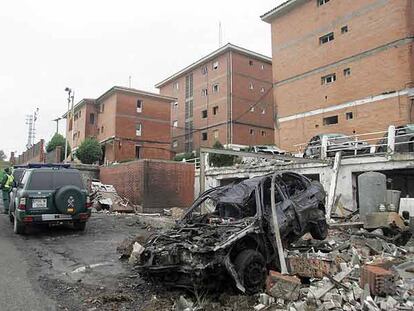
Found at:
[105, 197]
[348, 271]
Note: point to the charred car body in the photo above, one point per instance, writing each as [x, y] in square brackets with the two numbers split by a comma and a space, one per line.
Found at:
[228, 232]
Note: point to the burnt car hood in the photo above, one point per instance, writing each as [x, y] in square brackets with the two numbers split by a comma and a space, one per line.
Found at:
[201, 238]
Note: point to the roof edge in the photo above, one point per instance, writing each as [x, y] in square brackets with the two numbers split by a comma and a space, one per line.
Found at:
[281, 9]
[134, 91]
[212, 55]
[80, 104]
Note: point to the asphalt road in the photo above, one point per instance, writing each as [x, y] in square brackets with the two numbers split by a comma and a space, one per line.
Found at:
[62, 269]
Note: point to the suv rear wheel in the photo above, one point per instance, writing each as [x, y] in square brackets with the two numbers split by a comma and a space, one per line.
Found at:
[79, 226]
[251, 268]
[18, 227]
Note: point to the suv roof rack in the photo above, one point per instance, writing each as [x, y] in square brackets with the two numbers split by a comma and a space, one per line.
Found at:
[43, 165]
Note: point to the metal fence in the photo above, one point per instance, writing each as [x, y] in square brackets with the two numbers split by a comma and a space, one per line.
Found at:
[394, 140]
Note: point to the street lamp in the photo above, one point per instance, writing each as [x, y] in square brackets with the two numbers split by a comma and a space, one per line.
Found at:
[71, 97]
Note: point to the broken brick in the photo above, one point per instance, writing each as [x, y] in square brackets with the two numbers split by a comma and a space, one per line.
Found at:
[381, 281]
[283, 286]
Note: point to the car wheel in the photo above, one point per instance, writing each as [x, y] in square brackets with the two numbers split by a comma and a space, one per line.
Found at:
[251, 269]
[18, 227]
[319, 228]
[79, 226]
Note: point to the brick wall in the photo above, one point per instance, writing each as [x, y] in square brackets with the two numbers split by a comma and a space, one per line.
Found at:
[36, 154]
[232, 100]
[153, 184]
[373, 56]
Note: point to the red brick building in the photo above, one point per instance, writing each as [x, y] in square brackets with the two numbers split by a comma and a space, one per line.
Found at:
[225, 96]
[341, 67]
[129, 124]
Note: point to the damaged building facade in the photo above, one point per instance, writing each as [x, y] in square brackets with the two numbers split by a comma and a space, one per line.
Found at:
[345, 67]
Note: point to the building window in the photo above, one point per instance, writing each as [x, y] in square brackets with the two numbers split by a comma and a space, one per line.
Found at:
[139, 105]
[138, 130]
[137, 152]
[349, 115]
[92, 118]
[262, 67]
[215, 65]
[204, 70]
[344, 29]
[175, 123]
[204, 114]
[328, 79]
[215, 110]
[215, 88]
[330, 120]
[321, 2]
[204, 136]
[102, 129]
[263, 133]
[252, 109]
[176, 86]
[175, 143]
[251, 86]
[263, 110]
[99, 130]
[251, 131]
[204, 92]
[250, 62]
[216, 134]
[347, 72]
[262, 90]
[175, 105]
[326, 38]
[102, 107]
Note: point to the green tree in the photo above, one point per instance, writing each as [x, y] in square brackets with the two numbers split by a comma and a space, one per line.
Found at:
[220, 160]
[89, 151]
[57, 140]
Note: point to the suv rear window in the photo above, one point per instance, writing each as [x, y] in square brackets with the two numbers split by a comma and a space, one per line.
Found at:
[51, 180]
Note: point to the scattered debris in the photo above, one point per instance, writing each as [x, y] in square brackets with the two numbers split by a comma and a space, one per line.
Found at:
[105, 197]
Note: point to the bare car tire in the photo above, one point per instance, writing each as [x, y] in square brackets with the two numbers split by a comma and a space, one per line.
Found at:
[251, 269]
[319, 228]
[79, 226]
[18, 227]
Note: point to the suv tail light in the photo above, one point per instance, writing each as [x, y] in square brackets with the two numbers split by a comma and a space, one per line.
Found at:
[22, 204]
[88, 202]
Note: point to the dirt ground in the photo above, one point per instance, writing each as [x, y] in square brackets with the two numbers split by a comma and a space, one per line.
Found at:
[82, 271]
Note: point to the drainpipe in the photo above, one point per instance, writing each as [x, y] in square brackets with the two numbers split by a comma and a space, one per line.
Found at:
[276, 229]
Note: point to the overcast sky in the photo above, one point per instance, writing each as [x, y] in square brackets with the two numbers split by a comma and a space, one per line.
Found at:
[92, 45]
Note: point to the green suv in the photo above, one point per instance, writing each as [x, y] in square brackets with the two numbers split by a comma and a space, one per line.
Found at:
[51, 195]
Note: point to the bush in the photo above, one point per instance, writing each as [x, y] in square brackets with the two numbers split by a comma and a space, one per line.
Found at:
[57, 140]
[89, 151]
[220, 160]
[180, 157]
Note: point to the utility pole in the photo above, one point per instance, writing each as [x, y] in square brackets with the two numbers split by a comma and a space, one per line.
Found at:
[57, 124]
[71, 96]
[220, 35]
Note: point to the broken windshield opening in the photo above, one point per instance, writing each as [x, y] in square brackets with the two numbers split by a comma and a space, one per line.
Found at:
[212, 211]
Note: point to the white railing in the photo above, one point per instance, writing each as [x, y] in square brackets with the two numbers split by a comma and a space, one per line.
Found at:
[195, 161]
[382, 142]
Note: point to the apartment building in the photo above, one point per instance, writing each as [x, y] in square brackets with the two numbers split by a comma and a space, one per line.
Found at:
[341, 67]
[225, 96]
[129, 124]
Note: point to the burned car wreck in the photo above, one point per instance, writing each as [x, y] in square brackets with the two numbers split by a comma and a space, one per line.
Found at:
[228, 233]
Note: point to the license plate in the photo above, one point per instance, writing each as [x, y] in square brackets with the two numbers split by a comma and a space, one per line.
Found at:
[39, 203]
[46, 217]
